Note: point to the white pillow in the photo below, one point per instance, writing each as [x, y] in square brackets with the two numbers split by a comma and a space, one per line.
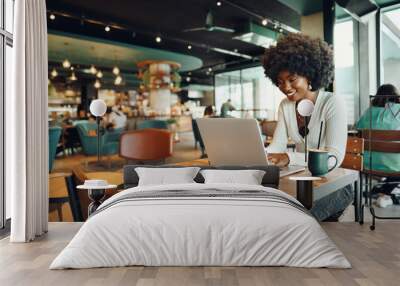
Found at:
[248, 177]
[165, 176]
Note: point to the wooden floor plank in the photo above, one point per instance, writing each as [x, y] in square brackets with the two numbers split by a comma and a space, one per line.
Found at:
[375, 257]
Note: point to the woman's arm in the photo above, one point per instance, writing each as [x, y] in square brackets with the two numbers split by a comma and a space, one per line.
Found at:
[336, 128]
[280, 138]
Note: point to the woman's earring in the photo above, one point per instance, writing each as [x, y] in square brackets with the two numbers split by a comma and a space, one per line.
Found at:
[309, 86]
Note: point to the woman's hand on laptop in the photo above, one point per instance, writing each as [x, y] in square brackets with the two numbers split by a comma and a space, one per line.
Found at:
[278, 159]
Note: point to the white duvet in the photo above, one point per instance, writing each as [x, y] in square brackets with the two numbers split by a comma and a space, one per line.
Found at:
[200, 231]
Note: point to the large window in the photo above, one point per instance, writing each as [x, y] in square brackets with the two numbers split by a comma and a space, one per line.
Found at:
[345, 68]
[6, 63]
[390, 46]
[252, 94]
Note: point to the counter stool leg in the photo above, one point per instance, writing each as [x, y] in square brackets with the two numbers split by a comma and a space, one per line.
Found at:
[304, 191]
[96, 196]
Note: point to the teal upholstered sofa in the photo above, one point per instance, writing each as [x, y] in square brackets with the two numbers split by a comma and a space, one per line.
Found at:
[54, 138]
[109, 140]
[158, 124]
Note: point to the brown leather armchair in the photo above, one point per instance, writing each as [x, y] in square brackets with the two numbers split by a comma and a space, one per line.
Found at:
[146, 145]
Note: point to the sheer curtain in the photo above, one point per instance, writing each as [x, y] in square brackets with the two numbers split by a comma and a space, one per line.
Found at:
[27, 125]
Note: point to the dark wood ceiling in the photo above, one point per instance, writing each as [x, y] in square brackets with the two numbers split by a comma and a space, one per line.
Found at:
[143, 20]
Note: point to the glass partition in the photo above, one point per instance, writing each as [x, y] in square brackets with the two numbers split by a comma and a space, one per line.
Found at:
[390, 46]
[345, 71]
[251, 93]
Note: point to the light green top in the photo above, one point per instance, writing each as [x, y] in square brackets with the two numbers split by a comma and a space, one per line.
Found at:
[383, 118]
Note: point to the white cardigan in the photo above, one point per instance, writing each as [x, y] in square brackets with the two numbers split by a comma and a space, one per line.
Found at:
[328, 108]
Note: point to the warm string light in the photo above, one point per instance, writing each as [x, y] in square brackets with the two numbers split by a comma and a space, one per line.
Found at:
[116, 70]
[99, 74]
[97, 84]
[54, 73]
[66, 64]
[264, 22]
[118, 80]
[73, 77]
[92, 69]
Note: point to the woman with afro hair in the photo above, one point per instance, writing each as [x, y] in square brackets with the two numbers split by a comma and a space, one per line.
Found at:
[301, 67]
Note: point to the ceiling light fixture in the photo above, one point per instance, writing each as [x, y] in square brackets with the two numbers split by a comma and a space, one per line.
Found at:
[72, 68]
[280, 30]
[92, 69]
[219, 3]
[99, 74]
[118, 80]
[210, 69]
[264, 22]
[116, 70]
[54, 73]
[52, 17]
[66, 64]
[189, 47]
[97, 84]
[107, 28]
[188, 79]
[158, 39]
[73, 77]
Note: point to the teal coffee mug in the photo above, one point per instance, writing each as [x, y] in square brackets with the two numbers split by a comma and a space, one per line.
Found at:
[318, 162]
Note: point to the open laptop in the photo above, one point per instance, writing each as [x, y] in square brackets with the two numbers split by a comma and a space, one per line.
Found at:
[234, 141]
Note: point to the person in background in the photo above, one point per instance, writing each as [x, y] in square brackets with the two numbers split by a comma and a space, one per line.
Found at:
[383, 114]
[81, 113]
[385, 90]
[226, 108]
[54, 119]
[209, 111]
[117, 118]
[301, 67]
[67, 119]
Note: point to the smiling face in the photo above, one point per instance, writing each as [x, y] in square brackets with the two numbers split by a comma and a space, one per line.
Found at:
[294, 86]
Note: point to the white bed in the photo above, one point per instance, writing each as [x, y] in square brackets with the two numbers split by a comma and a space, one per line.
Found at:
[185, 230]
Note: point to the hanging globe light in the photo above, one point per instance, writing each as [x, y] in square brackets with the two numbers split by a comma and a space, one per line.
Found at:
[54, 73]
[118, 80]
[66, 64]
[92, 69]
[73, 77]
[116, 70]
[97, 84]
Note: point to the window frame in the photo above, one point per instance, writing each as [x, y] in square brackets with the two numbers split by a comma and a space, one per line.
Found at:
[6, 39]
[380, 63]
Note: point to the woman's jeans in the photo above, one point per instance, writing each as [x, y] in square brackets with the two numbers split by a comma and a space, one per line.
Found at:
[333, 203]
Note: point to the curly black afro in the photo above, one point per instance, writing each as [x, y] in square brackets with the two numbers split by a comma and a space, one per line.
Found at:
[302, 55]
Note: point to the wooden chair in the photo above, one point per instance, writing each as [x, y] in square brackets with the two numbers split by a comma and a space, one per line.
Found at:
[146, 145]
[353, 160]
[384, 141]
[58, 194]
[354, 154]
[268, 127]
